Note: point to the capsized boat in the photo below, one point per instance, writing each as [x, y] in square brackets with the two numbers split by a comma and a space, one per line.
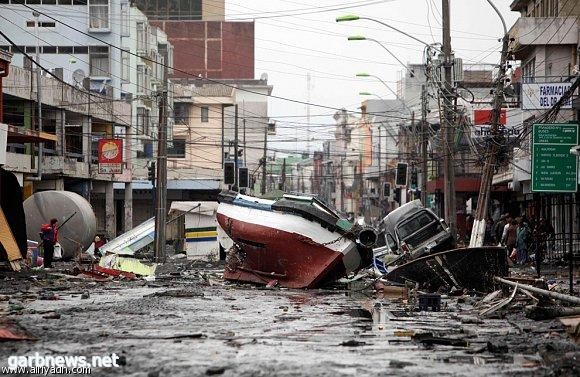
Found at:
[297, 241]
[471, 268]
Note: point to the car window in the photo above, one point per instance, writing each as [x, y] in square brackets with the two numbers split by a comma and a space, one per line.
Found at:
[413, 224]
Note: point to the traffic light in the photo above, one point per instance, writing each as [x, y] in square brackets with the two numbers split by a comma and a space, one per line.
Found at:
[243, 178]
[414, 179]
[401, 178]
[151, 170]
[229, 172]
[386, 189]
[398, 195]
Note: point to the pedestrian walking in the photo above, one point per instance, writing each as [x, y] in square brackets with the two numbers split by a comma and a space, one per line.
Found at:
[522, 241]
[498, 228]
[489, 233]
[509, 237]
[49, 237]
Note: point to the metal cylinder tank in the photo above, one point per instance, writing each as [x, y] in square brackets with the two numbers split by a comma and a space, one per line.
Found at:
[76, 234]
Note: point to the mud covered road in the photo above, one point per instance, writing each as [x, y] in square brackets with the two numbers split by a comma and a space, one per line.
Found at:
[197, 325]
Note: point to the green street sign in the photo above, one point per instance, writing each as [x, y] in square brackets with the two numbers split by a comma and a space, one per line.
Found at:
[554, 169]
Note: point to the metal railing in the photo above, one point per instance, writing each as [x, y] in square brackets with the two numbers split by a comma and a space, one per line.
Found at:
[557, 248]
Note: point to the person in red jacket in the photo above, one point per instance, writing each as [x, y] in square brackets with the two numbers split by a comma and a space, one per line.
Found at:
[49, 235]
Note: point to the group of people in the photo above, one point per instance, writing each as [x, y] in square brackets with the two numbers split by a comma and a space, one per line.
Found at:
[522, 237]
[49, 239]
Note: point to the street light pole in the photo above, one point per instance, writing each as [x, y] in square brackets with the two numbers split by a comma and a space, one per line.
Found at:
[352, 17]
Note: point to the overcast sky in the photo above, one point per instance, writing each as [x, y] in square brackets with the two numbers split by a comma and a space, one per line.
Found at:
[290, 47]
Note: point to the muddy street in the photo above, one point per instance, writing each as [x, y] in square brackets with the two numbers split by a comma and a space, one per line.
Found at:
[196, 324]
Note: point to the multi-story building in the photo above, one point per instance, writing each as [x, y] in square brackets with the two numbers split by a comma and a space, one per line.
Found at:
[205, 44]
[107, 50]
[544, 44]
[73, 120]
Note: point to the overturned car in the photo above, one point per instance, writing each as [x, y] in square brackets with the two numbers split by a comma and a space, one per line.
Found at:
[412, 231]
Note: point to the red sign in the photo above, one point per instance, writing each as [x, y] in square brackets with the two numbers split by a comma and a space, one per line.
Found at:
[484, 116]
[110, 156]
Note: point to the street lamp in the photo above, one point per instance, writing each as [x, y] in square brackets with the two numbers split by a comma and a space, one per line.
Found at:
[370, 94]
[364, 74]
[363, 38]
[353, 17]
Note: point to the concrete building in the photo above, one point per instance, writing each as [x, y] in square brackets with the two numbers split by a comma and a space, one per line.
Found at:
[544, 43]
[205, 44]
[73, 121]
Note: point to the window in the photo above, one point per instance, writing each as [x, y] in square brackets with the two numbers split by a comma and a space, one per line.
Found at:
[49, 50]
[99, 60]
[125, 20]
[67, 50]
[81, 50]
[125, 66]
[30, 23]
[140, 79]
[176, 149]
[143, 121]
[205, 114]
[46, 24]
[181, 113]
[98, 14]
[171, 9]
[529, 71]
[141, 36]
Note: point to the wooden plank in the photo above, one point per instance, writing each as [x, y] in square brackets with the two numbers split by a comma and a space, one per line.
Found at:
[7, 239]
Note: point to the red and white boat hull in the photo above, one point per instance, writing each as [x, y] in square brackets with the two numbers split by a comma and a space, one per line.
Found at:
[294, 251]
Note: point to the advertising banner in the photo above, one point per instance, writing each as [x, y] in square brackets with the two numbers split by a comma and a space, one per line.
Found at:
[110, 156]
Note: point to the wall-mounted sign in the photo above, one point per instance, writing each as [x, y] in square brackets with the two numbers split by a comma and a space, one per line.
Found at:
[554, 169]
[110, 156]
[509, 119]
[543, 96]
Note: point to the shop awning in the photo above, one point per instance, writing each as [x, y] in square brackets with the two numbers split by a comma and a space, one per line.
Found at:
[21, 135]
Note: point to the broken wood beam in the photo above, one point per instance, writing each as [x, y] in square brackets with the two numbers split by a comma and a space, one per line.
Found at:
[538, 291]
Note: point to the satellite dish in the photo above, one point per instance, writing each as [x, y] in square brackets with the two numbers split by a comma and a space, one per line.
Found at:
[78, 76]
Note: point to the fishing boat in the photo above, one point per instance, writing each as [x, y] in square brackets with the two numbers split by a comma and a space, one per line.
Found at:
[295, 241]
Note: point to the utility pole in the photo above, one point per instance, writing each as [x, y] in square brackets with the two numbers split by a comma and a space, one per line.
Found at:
[447, 127]
[263, 188]
[38, 96]
[478, 230]
[235, 188]
[424, 142]
[161, 189]
[381, 182]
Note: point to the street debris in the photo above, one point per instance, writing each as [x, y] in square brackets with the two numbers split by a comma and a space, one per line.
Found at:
[125, 264]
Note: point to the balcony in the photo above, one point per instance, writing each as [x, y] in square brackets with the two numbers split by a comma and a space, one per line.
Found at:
[533, 31]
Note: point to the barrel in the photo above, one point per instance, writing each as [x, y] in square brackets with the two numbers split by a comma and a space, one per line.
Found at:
[76, 234]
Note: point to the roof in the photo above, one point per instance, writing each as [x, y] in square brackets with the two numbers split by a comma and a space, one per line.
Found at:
[193, 90]
[406, 210]
[206, 208]
[174, 184]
